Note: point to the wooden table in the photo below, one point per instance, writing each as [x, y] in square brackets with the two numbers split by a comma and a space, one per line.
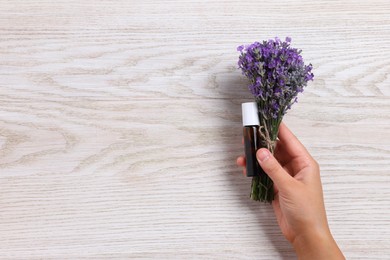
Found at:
[120, 123]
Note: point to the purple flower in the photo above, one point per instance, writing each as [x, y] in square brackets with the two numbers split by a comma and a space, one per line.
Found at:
[277, 72]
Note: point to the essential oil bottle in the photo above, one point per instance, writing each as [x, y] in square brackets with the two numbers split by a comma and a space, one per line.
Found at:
[252, 142]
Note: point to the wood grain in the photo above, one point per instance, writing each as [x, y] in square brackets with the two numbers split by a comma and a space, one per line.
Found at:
[120, 125]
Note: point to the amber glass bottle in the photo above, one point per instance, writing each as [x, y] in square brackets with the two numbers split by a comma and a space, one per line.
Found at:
[252, 142]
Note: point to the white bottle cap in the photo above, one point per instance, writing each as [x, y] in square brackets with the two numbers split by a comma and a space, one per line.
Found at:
[250, 114]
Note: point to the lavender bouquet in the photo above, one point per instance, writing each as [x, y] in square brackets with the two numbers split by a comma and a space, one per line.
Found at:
[277, 74]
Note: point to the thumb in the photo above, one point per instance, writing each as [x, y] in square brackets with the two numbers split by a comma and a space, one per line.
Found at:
[273, 169]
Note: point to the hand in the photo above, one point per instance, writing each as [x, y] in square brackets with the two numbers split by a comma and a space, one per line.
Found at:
[299, 204]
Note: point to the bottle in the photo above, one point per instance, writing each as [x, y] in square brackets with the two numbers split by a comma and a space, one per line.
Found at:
[252, 141]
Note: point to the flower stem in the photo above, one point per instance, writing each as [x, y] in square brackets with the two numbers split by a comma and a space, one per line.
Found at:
[262, 189]
[262, 186]
[255, 192]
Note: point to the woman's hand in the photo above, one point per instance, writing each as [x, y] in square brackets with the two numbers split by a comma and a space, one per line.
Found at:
[299, 204]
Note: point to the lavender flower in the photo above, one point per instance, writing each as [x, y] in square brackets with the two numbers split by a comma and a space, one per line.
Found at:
[277, 74]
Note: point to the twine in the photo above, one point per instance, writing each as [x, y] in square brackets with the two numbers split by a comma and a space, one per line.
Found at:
[267, 141]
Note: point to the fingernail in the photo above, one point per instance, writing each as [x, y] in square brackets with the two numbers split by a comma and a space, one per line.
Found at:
[262, 155]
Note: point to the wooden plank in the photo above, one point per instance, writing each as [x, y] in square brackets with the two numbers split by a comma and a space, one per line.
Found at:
[120, 123]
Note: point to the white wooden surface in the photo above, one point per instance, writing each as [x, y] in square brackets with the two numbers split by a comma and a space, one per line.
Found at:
[120, 125]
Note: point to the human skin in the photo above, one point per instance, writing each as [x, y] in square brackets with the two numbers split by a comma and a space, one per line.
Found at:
[298, 205]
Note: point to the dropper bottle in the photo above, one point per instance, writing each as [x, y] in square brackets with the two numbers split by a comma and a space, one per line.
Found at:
[252, 141]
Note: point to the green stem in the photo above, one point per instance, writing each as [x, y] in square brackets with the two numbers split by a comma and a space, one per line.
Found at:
[255, 191]
[262, 186]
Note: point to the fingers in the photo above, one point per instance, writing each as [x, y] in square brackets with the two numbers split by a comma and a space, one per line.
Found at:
[273, 169]
[290, 142]
[241, 161]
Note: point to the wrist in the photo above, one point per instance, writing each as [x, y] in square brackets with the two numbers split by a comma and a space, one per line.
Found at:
[317, 245]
